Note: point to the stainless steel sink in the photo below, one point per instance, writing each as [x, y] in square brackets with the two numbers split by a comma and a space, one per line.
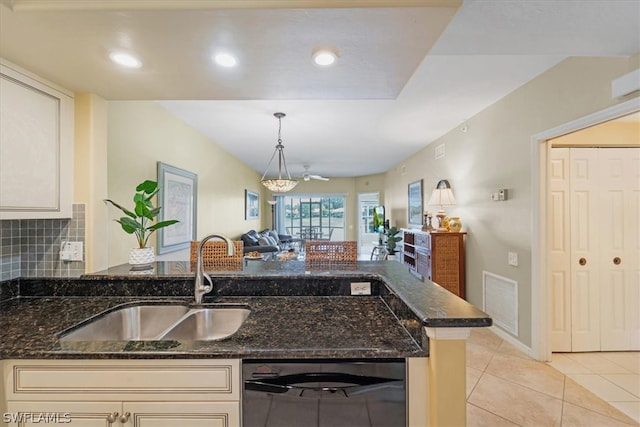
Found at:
[208, 324]
[156, 322]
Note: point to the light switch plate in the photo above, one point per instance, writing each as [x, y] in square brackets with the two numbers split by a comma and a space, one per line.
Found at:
[71, 251]
[512, 258]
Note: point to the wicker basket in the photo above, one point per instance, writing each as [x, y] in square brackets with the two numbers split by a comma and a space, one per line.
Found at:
[321, 254]
[214, 256]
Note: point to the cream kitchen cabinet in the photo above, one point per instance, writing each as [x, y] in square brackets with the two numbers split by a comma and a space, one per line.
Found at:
[139, 393]
[139, 414]
[36, 146]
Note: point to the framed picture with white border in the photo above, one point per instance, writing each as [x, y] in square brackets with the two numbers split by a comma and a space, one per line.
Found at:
[415, 203]
[251, 205]
[177, 196]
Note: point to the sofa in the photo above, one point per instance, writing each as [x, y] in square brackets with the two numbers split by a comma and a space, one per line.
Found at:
[265, 241]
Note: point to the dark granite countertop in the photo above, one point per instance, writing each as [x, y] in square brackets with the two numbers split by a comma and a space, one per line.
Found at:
[296, 312]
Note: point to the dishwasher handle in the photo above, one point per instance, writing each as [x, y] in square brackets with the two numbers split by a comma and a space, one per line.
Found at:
[359, 384]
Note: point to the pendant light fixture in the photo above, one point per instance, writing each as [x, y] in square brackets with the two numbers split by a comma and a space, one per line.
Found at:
[280, 184]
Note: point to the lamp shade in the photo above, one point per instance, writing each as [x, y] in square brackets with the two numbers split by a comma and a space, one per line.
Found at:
[442, 197]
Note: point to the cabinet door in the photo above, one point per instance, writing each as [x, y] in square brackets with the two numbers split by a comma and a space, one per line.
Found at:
[183, 414]
[36, 147]
[447, 262]
[138, 414]
[85, 414]
[423, 263]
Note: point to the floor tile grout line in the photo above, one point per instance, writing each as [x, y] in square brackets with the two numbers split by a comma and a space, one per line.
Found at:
[608, 402]
[527, 387]
[497, 415]
[585, 370]
[604, 355]
[622, 389]
[627, 371]
[588, 408]
[564, 392]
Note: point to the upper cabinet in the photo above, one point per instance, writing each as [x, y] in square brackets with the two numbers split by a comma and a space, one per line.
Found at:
[36, 146]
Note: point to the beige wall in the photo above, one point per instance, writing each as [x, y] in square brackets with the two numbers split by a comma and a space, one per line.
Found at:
[495, 153]
[90, 174]
[141, 133]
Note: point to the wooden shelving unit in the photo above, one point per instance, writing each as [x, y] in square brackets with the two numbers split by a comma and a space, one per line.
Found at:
[438, 257]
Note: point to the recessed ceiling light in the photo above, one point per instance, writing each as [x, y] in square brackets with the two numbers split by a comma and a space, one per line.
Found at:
[125, 59]
[225, 60]
[324, 57]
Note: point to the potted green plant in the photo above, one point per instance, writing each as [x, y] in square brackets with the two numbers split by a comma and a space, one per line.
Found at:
[391, 234]
[139, 221]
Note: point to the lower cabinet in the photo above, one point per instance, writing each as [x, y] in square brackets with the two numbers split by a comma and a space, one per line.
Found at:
[190, 393]
[141, 414]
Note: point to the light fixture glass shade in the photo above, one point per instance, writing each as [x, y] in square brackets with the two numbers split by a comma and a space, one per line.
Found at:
[280, 184]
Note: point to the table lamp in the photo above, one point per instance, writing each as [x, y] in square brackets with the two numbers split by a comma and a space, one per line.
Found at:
[442, 196]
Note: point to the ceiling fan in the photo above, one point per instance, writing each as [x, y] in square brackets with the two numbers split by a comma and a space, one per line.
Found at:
[307, 176]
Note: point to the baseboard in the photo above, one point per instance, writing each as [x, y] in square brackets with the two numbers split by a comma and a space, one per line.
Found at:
[511, 340]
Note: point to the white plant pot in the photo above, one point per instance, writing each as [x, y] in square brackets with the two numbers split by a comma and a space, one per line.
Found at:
[141, 257]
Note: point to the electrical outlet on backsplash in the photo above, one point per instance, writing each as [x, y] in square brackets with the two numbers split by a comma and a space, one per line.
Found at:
[31, 247]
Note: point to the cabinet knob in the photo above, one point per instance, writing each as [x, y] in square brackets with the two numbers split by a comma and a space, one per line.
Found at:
[617, 260]
[125, 417]
[582, 261]
[111, 418]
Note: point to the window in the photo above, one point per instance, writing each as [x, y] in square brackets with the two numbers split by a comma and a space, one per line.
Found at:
[312, 217]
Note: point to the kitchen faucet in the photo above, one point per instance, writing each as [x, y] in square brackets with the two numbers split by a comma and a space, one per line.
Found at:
[200, 289]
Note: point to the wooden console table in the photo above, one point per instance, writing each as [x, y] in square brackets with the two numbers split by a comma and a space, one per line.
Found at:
[438, 257]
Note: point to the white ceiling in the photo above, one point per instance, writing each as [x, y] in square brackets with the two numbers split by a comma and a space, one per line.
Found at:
[405, 75]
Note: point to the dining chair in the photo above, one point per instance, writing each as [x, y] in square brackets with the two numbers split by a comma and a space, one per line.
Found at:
[326, 236]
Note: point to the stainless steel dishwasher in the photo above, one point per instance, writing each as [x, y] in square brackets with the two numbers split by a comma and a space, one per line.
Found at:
[324, 393]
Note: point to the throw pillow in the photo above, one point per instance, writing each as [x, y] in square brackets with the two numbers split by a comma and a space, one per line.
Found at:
[249, 240]
[275, 237]
[264, 241]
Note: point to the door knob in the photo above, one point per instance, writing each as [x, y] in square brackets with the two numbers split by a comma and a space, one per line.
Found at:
[582, 261]
[124, 417]
[111, 418]
[617, 260]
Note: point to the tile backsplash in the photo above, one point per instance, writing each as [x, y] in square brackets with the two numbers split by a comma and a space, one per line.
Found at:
[31, 247]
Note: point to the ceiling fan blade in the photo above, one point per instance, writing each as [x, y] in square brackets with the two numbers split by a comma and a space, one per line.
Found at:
[306, 175]
[318, 177]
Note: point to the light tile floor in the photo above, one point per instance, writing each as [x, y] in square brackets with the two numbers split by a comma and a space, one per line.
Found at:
[505, 387]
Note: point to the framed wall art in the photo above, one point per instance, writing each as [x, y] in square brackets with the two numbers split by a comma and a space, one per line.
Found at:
[178, 198]
[415, 206]
[251, 205]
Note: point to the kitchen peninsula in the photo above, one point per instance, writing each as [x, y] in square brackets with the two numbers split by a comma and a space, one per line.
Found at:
[296, 313]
